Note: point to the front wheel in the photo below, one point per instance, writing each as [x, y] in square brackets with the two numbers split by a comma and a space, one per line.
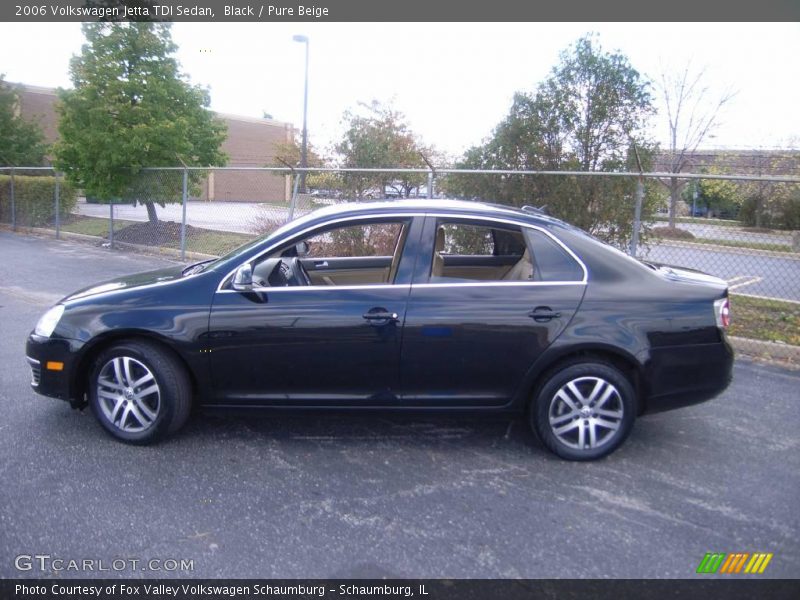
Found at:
[584, 410]
[139, 392]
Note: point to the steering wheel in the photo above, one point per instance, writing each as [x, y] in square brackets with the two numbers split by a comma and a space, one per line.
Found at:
[299, 273]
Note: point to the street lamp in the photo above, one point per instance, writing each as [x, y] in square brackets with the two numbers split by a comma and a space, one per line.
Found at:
[304, 152]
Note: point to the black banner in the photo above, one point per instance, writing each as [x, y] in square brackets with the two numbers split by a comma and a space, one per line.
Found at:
[405, 10]
[396, 589]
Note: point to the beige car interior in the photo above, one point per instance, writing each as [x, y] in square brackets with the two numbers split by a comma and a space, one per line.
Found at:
[522, 270]
[363, 276]
[437, 270]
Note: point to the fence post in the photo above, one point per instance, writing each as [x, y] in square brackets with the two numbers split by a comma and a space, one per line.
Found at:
[294, 198]
[430, 185]
[184, 197]
[57, 194]
[111, 223]
[637, 216]
[13, 203]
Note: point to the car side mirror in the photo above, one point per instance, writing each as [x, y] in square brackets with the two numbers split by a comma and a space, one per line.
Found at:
[243, 278]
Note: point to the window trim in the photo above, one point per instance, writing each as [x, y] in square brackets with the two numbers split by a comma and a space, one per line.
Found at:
[409, 215]
[458, 216]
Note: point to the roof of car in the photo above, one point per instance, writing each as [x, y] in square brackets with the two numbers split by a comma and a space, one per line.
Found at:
[437, 205]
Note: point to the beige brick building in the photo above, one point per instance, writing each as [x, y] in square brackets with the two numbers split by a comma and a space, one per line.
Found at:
[251, 142]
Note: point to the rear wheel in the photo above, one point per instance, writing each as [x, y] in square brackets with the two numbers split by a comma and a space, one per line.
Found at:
[139, 392]
[584, 410]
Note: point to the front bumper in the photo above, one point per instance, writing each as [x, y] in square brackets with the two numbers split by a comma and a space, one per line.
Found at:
[43, 356]
[684, 375]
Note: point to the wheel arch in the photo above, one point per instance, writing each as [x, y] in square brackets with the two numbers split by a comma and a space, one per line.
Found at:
[80, 375]
[617, 357]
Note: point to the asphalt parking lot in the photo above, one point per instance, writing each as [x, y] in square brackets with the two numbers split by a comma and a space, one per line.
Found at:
[337, 495]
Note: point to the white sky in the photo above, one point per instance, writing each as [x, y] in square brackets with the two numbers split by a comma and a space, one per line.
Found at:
[454, 81]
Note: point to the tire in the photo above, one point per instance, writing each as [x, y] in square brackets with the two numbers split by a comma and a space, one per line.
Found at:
[583, 410]
[159, 401]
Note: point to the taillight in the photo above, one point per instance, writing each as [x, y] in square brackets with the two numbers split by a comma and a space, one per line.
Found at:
[722, 312]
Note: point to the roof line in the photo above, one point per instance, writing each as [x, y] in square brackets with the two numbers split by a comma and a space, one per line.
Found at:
[37, 89]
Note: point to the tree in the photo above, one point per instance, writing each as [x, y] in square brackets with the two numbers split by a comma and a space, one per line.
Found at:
[771, 204]
[289, 154]
[132, 108]
[720, 197]
[21, 142]
[378, 137]
[692, 115]
[586, 116]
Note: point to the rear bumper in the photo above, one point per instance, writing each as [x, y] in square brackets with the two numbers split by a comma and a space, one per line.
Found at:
[680, 376]
[48, 379]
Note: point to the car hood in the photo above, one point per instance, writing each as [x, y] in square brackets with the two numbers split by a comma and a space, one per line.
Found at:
[687, 275]
[129, 282]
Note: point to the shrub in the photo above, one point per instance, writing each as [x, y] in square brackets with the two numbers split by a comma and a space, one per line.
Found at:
[34, 199]
[672, 233]
[790, 213]
[780, 209]
[265, 220]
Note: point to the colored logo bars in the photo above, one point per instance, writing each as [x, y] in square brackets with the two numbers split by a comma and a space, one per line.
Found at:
[734, 563]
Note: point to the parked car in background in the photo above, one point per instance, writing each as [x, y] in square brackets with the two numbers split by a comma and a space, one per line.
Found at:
[406, 305]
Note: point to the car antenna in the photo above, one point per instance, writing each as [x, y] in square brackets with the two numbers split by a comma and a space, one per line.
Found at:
[541, 210]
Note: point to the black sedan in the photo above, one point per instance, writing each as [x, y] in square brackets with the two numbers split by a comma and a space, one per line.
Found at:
[409, 305]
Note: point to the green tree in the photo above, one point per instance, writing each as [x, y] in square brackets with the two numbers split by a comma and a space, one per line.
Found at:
[720, 197]
[21, 142]
[132, 108]
[379, 136]
[289, 153]
[588, 115]
[771, 204]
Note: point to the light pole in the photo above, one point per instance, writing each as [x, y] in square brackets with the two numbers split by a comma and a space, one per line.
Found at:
[304, 151]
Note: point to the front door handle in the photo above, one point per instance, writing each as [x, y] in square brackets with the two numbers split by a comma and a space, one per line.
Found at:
[375, 315]
[542, 314]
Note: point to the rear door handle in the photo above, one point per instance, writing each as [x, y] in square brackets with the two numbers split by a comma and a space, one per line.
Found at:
[321, 265]
[380, 316]
[541, 314]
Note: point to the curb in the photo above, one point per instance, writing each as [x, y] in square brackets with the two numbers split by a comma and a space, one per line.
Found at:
[731, 249]
[773, 350]
[170, 253]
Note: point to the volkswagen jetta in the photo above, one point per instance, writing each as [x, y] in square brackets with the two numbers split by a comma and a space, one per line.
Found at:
[408, 305]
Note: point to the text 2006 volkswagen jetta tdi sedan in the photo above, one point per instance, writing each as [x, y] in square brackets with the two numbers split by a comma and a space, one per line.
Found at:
[397, 305]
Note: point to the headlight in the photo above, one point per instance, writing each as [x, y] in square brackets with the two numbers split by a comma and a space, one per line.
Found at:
[49, 320]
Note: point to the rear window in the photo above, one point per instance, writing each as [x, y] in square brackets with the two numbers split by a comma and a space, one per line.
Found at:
[550, 261]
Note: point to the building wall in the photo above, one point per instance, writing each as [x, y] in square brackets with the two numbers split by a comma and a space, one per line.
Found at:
[37, 104]
[250, 142]
[740, 162]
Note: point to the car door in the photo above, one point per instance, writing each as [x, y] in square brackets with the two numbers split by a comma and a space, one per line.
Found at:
[322, 344]
[488, 298]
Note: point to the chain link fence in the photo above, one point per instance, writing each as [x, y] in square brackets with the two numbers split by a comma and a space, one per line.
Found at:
[191, 214]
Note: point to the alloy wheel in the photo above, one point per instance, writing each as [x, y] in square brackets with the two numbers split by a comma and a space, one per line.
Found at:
[128, 394]
[586, 413]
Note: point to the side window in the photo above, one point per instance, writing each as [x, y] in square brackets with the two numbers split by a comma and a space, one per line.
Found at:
[550, 261]
[460, 238]
[465, 252]
[356, 254]
[374, 239]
